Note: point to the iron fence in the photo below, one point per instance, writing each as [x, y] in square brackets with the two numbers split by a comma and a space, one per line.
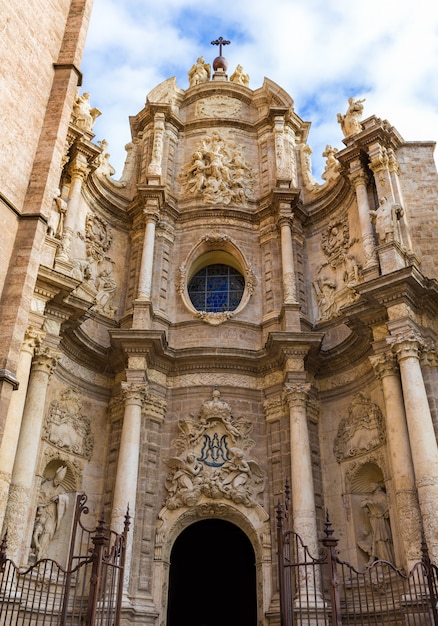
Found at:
[324, 590]
[87, 592]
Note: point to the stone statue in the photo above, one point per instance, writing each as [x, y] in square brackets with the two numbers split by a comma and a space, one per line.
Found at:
[385, 219]
[55, 223]
[106, 286]
[376, 507]
[332, 165]
[239, 77]
[325, 289]
[84, 114]
[104, 166]
[350, 122]
[52, 505]
[200, 72]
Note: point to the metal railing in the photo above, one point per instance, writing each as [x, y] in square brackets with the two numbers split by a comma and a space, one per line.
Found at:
[324, 590]
[87, 592]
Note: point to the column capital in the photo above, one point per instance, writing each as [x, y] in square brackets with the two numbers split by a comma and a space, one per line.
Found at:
[151, 213]
[32, 339]
[296, 394]
[134, 393]
[384, 364]
[45, 360]
[285, 219]
[406, 344]
[79, 167]
[358, 177]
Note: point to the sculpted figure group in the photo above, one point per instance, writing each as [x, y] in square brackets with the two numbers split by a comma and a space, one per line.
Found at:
[219, 172]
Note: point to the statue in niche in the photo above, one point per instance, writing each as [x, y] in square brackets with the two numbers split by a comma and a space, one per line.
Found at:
[84, 114]
[351, 121]
[362, 431]
[332, 165]
[200, 72]
[52, 505]
[239, 77]
[386, 219]
[214, 461]
[219, 172]
[377, 541]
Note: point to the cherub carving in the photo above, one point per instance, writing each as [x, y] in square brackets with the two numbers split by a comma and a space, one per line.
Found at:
[351, 121]
[200, 72]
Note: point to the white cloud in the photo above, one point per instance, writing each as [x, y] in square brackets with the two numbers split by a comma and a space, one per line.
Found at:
[321, 52]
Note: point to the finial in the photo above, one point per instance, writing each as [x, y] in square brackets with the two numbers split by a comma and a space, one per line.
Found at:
[220, 62]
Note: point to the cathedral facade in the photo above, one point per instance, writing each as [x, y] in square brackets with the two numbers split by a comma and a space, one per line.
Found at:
[187, 338]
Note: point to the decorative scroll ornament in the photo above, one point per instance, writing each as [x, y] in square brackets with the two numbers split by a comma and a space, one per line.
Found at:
[219, 172]
[66, 428]
[214, 459]
[362, 431]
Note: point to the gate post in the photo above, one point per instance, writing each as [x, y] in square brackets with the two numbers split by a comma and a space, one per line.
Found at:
[286, 593]
[425, 559]
[99, 540]
[330, 543]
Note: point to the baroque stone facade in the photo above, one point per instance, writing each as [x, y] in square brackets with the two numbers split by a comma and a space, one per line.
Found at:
[185, 339]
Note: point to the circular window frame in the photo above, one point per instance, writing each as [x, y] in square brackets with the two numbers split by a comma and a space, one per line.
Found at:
[215, 249]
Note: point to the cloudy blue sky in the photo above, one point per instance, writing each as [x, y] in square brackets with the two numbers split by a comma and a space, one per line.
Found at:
[320, 51]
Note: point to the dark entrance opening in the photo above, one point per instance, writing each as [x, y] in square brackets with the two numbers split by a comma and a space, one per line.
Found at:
[212, 577]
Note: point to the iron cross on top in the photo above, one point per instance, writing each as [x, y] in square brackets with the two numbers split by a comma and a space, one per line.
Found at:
[220, 42]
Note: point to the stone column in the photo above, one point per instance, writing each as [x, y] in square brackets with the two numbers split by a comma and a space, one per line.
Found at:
[79, 171]
[407, 347]
[23, 474]
[359, 179]
[287, 260]
[302, 488]
[125, 488]
[399, 449]
[8, 448]
[145, 278]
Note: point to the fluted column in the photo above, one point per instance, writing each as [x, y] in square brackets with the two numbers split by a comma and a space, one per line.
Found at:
[147, 259]
[359, 179]
[79, 171]
[407, 347]
[287, 260]
[9, 443]
[399, 449]
[20, 491]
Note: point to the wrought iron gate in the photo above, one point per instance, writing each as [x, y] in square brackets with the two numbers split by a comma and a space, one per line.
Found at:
[326, 591]
[87, 592]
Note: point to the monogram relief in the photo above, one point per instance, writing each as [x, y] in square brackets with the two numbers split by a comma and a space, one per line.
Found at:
[214, 459]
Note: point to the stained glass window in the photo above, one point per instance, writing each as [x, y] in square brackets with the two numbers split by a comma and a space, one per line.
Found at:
[216, 288]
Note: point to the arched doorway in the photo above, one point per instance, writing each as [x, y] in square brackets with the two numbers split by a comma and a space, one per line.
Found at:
[212, 577]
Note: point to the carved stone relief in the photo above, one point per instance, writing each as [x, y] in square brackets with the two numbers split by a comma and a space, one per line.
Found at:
[218, 171]
[214, 459]
[219, 106]
[362, 431]
[339, 274]
[66, 428]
